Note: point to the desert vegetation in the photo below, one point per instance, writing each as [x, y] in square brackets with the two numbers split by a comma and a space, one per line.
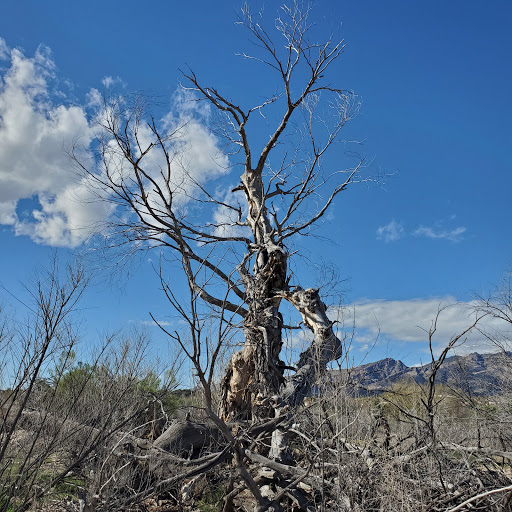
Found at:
[265, 428]
[114, 433]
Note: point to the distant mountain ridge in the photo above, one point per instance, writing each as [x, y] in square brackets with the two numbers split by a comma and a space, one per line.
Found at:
[478, 374]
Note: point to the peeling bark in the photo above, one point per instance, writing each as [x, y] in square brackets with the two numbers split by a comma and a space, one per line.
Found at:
[255, 373]
[255, 376]
[326, 346]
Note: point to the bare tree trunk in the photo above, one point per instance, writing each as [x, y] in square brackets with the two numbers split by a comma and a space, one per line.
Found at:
[254, 382]
[255, 373]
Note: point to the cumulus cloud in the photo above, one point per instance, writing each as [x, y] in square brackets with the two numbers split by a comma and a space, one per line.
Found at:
[194, 158]
[108, 81]
[36, 130]
[94, 99]
[390, 232]
[410, 321]
[454, 235]
[197, 155]
[33, 163]
[8, 212]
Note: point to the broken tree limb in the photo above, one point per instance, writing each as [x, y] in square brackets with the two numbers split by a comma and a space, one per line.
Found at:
[187, 437]
[475, 449]
[169, 482]
[464, 504]
[326, 346]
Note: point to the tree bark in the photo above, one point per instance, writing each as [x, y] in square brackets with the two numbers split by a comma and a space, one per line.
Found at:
[326, 346]
[255, 373]
[254, 380]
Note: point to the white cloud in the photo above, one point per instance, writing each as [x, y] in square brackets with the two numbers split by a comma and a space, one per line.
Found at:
[4, 49]
[107, 81]
[454, 235]
[110, 81]
[225, 219]
[390, 232]
[395, 230]
[8, 212]
[33, 136]
[94, 99]
[410, 321]
[35, 133]
[152, 323]
[194, 158]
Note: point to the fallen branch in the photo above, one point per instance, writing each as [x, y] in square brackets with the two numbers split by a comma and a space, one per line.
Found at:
[478, 496]
[475, 449]
[169, 482]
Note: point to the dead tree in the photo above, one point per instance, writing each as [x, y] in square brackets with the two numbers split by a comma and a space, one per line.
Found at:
[283, 195]
[234, 251]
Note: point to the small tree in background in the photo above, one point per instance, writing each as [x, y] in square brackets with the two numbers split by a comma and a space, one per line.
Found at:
[59, 420]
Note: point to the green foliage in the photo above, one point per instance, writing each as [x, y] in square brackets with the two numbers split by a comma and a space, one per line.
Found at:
[65, 489]
[212, 499]
[86, 381]
[152, 386]
[77, 378]
[68, 487]
[6, 506]
[65, 362]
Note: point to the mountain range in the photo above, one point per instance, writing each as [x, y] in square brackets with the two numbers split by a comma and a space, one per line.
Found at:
[476, 374]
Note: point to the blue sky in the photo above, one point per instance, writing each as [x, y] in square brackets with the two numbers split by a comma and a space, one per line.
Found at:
[434, 79]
